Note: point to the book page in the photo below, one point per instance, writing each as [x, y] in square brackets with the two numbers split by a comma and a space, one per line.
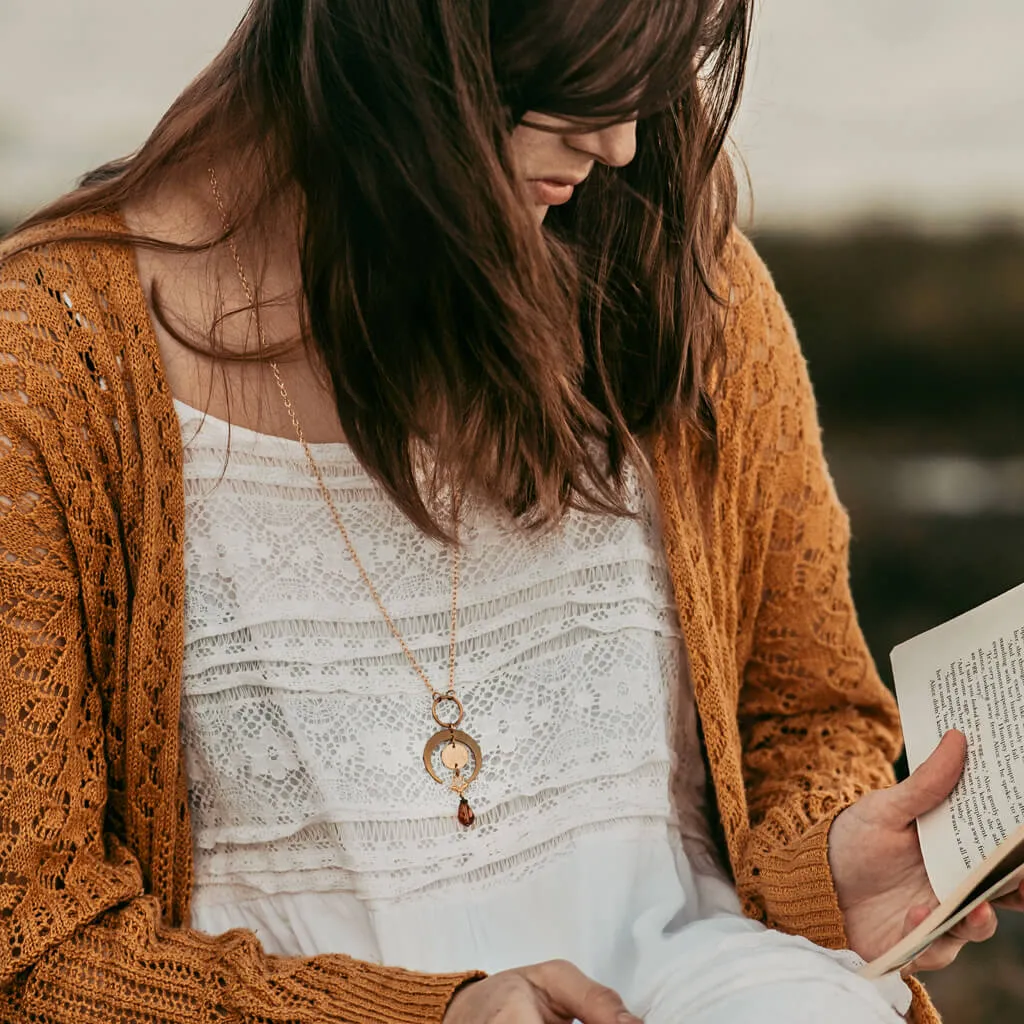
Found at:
[968, 674]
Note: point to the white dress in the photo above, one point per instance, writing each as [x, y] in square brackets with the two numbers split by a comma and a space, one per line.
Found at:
[314, 822]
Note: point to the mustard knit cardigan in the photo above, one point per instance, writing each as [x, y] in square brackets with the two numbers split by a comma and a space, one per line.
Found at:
[95, 848]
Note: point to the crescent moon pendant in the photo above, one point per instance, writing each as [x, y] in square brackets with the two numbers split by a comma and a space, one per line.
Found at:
[439, 739]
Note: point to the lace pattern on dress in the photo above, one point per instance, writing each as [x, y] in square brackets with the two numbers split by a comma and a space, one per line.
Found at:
[304, 725]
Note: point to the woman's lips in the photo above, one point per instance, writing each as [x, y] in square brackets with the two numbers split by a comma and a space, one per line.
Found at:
[550, 192]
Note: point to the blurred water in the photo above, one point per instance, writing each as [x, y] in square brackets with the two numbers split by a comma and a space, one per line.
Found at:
[869, 107]
[941, 485]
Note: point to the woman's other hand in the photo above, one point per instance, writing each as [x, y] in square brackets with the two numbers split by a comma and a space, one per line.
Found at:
[549, 993]
[879, 871]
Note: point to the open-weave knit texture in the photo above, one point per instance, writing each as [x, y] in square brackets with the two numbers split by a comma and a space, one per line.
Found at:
[95, 845]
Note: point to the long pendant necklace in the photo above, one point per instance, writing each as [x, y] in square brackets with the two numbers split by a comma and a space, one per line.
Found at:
[450, 750]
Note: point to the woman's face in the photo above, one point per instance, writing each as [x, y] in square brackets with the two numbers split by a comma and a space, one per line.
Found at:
[557, 155]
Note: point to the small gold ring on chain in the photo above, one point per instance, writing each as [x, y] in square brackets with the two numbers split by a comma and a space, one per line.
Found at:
[447, 698]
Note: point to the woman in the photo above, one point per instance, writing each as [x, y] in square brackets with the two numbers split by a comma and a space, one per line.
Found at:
[372, 440]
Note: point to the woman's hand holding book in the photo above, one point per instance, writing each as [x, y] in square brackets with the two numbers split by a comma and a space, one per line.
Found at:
[879, 871]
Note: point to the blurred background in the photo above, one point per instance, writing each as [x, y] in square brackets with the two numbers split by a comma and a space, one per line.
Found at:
[885, 147]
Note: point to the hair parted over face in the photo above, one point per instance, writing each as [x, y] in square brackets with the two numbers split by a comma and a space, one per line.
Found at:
[426, 141]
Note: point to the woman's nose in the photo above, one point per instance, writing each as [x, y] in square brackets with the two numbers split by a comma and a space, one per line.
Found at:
[614, 145]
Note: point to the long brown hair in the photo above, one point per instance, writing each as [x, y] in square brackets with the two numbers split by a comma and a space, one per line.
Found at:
[531, 362]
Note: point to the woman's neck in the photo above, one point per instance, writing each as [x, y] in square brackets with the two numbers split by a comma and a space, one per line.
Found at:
[200, 297]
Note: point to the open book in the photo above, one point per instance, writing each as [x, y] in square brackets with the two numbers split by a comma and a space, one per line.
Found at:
[969, 675]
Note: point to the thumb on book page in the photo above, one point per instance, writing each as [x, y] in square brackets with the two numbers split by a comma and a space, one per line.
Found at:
[933, 779]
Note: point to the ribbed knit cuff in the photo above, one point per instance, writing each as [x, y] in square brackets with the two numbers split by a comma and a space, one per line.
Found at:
[795, 882]
[921, 1010]
[401, 997]
[369, 994]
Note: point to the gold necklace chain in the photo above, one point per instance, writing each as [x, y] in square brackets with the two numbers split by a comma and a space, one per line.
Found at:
[455, 749]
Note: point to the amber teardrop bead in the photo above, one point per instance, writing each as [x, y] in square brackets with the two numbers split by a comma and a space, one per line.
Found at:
[466, 815]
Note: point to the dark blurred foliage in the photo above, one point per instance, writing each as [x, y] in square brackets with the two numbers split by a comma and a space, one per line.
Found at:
[916, 349]
[913, 341]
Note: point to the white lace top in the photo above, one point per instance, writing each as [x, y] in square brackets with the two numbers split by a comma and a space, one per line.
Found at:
[314, 821]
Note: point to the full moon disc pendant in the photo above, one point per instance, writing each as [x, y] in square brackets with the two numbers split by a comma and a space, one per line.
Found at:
[457, 751]
[455, 756]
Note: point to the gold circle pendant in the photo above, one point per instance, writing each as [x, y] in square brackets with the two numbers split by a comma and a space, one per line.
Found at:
[458, 749]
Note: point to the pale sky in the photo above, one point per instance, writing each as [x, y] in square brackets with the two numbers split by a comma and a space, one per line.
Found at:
[912, 108]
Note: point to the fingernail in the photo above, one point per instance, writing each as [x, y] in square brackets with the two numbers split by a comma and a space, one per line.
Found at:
[627, 1018]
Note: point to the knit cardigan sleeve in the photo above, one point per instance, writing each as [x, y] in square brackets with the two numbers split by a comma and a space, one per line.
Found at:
[81, 941]
[817, 726]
